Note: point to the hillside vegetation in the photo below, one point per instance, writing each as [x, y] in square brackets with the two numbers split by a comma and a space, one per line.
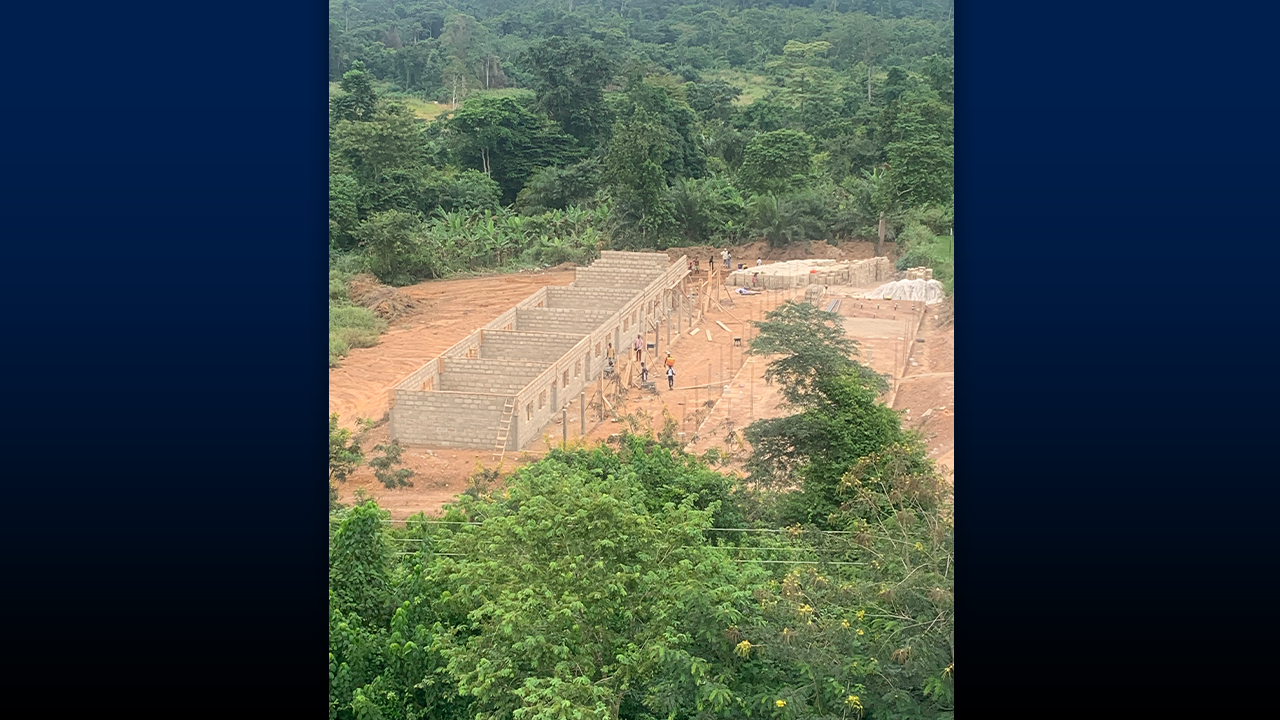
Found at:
[580, 126]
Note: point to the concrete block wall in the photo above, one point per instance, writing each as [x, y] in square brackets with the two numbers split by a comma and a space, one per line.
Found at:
[520, 345]
[424, 374]
[448, 419]
[611, 278]
[602, 298]
[541, 401]
[500, 377]
[464, 346]
[568, 321]
[507, 320]
[537, 299]
[611, 258]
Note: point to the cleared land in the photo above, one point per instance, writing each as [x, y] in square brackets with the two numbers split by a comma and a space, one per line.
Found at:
[446, 311]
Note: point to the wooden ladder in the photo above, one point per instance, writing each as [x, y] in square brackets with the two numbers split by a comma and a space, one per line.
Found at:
[504, 429]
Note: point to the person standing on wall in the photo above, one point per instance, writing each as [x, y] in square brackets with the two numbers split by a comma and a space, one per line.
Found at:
[639, 346]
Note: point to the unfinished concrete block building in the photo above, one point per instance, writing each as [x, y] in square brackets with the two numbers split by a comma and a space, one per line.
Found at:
[500, 387]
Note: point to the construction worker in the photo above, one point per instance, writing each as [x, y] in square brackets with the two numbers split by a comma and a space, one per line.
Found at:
[639, 346]
[612, 356]
[671, 378]
[671, 362]
[759, 262]
[644, 373]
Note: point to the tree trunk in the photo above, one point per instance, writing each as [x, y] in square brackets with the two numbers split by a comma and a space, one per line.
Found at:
[880, 237]
[868, 82]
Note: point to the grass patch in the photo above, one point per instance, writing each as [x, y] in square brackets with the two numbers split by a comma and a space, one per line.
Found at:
[753, 86]
[424, 109]
[428, 109]
[350, 326]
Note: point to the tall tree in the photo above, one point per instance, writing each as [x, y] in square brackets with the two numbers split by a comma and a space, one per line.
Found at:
[569, 76]
[634, 173]
[507, 141]
[358, 99]
[777, 161]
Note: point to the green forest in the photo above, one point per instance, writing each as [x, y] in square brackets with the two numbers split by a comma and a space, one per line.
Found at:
[636, 581]
[490, 135]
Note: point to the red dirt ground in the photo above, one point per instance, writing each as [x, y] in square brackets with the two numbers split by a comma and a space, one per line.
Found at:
[445, 312]
[449, 310]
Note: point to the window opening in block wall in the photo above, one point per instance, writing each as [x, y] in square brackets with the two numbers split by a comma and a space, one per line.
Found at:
[566, 379]
[507, 326]
[429, 384]
[597, 349]
[473, 352]
[577, 368]
[542, 399]
[528, 411]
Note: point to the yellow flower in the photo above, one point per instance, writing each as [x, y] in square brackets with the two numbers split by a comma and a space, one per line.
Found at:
[743, 648]
[861, 614]
[780, 703]
[853, 701]
[920, 547]
[844, 624]
[859, 631]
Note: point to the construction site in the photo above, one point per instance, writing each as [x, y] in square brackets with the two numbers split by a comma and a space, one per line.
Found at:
[493, 372]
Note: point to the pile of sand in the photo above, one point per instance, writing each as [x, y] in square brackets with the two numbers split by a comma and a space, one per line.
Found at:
[930, 291]
[387, 302]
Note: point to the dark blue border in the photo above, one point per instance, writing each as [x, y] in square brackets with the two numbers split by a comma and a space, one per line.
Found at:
[163, 197]
[164, 190]
[1113, 189]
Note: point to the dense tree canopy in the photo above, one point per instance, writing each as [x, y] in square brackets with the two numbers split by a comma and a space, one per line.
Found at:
[637, 582]
[666, 121]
